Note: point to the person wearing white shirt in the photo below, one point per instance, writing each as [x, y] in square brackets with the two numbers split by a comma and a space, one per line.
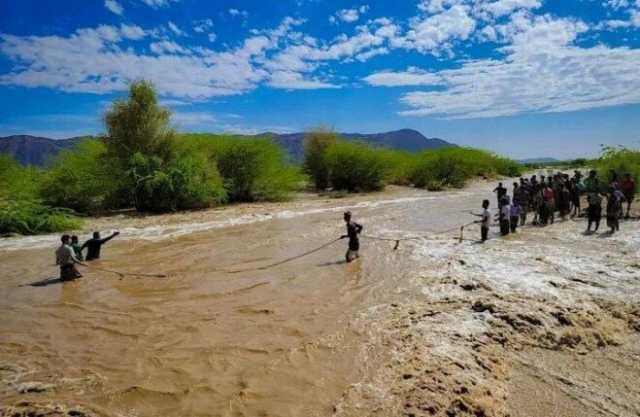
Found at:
[66, 259]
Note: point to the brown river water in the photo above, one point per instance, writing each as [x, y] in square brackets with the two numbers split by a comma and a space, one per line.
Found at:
[222, 336]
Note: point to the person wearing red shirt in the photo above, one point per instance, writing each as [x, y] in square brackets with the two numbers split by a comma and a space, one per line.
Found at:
[628, 188]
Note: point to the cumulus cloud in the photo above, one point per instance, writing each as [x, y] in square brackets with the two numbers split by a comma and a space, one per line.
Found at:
[349, 15]
[411, 77]
[543, 71]
[295, 81]
[92, 60]
[114, 7]
[175, 29]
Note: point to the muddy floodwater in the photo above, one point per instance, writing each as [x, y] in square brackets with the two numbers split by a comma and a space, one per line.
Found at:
[542, 323]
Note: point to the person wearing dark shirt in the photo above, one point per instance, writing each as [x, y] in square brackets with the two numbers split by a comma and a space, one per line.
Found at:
[353, 230]
[94, 245]
[502, 192]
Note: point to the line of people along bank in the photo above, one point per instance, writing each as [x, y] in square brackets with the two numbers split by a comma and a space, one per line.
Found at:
[561, 194]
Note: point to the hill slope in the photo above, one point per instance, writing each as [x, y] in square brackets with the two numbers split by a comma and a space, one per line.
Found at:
[37, 151]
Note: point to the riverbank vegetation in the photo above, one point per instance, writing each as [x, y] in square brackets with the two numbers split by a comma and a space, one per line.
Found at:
[141, 163]
[334, 163]
[620, 160]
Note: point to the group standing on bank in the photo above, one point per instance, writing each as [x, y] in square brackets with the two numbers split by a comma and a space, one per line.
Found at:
[561, 195]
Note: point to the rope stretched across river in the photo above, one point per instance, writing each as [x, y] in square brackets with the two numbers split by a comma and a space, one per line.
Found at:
[319, 248]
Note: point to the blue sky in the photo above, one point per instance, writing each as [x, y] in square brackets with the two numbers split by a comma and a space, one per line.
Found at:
[525, 78]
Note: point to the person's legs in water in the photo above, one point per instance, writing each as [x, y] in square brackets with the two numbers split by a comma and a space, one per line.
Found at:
[484, 233]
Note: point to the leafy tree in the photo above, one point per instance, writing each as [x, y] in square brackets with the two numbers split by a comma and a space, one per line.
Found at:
[139, 125]
[316, 164]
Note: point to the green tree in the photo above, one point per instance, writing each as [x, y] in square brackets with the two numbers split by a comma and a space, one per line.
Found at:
[316, 164]
[139, 125]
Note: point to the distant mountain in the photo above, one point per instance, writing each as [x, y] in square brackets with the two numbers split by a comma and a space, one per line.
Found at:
[405, 140]
[38, 151]
[33, 150]
[539, 161]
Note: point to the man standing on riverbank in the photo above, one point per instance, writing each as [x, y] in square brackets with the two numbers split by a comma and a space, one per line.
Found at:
[353, 230]
[628, 188]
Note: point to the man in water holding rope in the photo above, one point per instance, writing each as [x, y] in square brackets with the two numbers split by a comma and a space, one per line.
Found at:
[66, 259]
[353, 230]
[94, 245]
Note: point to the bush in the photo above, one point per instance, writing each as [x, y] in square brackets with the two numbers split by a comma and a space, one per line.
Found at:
[357, 167]
[253, 169]
[20, 210]
[453, 167]
[82, 178]
[316, 164]
[187, 182]
[30, 217]
[620, 160]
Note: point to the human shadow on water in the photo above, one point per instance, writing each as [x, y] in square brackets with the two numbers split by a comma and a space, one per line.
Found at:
[48, 281]
[342, 262]
[606, 234]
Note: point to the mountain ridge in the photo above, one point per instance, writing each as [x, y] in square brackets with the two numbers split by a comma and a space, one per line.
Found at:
[38, 151]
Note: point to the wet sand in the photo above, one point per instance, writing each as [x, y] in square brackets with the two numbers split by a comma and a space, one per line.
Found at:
[437, 327]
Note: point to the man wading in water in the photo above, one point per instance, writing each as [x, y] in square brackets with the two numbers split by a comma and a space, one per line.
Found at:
[353, 230]
[95, 244]
[66, 258]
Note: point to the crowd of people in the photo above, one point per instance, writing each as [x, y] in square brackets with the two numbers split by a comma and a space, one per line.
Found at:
[562, 195]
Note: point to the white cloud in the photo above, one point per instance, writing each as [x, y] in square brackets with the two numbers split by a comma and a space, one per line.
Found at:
[294, 81]
[212, 37]
[349, 15]
[411, 77]
[158, 3]
[114, 7]
[439, 31]
[168, 47]
[543, 72]
[202, 26]
[237, 12]
[175, 29]
[92, 60]
[132, 32]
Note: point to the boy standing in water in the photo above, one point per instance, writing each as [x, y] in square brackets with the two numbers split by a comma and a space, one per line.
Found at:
[353, 230]
[485, 221]
[515, 212]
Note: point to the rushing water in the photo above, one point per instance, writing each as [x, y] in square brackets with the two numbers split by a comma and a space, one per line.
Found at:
[218, 335]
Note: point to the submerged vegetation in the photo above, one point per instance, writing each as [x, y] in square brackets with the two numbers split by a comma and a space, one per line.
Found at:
[142, 163]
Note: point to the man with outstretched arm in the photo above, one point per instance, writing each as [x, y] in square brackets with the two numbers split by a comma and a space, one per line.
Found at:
[66, 259]
[95, 244]
[485, 221]
[353, 230]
